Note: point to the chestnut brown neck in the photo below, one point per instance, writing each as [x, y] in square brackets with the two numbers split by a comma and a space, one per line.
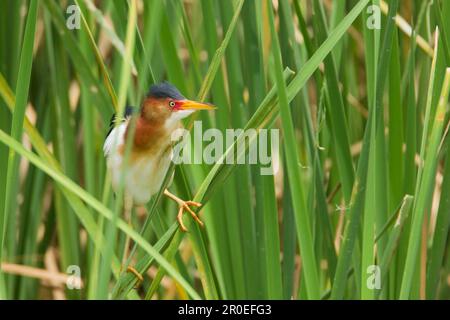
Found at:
[149, 135]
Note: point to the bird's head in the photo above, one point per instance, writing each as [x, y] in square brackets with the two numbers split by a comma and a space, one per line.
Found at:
[164, 104]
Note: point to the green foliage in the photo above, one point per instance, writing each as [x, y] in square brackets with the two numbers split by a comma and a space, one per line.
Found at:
[364, 162]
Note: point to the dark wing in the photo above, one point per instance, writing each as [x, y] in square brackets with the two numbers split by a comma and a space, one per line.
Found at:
[128, 112]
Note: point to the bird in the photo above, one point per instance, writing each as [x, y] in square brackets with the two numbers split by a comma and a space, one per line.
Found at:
[151, 150]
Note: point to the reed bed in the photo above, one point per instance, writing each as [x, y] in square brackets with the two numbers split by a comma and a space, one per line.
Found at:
[358, 89]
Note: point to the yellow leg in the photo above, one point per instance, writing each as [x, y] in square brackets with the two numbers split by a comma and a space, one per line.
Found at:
[128, 207]
[184, 205]
[137, 275]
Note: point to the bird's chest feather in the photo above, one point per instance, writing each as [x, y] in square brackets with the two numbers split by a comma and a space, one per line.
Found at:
[146, 169]
[146, 174]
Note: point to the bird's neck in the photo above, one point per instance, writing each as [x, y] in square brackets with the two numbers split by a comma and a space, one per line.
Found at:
[151, 134]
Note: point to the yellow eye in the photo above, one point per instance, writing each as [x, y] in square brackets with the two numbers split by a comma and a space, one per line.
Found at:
[172, 104]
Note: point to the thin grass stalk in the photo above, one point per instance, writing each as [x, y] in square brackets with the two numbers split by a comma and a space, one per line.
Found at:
[424, 189]
[297, 192]
[23, 83]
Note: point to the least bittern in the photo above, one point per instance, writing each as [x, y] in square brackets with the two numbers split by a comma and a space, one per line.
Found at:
[151, 150]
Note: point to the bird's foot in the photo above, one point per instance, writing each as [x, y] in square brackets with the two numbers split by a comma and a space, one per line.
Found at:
[185, 206]
[136, 273]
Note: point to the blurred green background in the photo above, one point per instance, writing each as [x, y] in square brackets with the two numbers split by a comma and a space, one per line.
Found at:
[360, 208]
